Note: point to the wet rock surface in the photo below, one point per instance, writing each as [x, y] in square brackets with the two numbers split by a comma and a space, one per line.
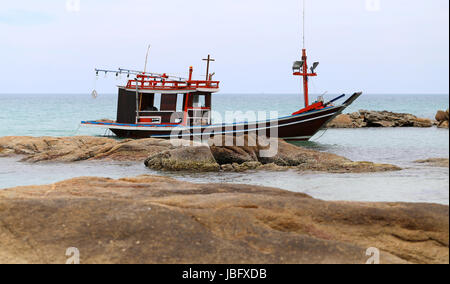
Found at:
[150, 219]
[365, 118]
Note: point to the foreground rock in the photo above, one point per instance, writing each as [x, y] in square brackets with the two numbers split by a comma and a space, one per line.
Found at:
[442, 118]
[151, 219]
[365, 118]
[252, 155]
[161, 154]
[435, 162]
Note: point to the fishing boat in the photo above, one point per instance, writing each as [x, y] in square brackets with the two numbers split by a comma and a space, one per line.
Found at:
[164, 106]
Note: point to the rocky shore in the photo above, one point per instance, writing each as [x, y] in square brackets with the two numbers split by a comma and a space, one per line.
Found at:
[151, 219]
[365, 118]
[166, 155]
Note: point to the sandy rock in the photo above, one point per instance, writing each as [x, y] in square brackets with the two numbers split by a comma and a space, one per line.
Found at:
[435, 162]
[229, 149]
[342, 121]
[443, 124]
[151, 219]
[166, 155]
[442, 115]
[442, 119]
[287, 156]
[198, 158]
[365, 118]
[235, 167]
[423, 122]
[80, 148]
[136, 150]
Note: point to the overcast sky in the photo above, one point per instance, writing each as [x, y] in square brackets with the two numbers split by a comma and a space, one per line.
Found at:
[376, 46]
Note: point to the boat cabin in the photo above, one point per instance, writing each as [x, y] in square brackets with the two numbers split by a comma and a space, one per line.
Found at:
[160, 100]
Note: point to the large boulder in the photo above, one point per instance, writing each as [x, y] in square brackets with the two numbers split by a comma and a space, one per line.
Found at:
[194, 159]
[231, 149]
[150, 219]
[442, 116]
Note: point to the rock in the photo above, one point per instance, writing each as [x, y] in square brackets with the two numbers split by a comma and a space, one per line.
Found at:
[229, 149]
[435, 162]
[287, 156]
[443, 124]
[442, 119]
[136, 150]
[442, 116]
[150, 219]
[227, 168]
[342, 121]
[423, 122]
[168, 155]
[80, 148]
[365, 118]
[194, 159]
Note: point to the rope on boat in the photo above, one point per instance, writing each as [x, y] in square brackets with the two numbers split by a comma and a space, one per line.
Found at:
[76, 130]
[323, 133]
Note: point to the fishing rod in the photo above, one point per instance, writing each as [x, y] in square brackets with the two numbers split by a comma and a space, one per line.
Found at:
[129, 72]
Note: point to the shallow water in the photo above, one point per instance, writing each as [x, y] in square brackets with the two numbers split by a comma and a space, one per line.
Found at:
[59, 116]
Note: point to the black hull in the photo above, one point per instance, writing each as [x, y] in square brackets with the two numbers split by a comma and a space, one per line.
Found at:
[295, 128]
[300, 127]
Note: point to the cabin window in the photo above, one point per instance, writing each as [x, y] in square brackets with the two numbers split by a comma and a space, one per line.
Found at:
[180, 102]
[150, 102]
[157, 103]
[199, 101]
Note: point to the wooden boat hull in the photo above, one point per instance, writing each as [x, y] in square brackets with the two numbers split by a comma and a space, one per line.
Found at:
[292, 128]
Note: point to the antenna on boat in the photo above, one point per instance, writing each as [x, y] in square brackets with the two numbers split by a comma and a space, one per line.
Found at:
[146, 59]
[304, 8]
[300, 68]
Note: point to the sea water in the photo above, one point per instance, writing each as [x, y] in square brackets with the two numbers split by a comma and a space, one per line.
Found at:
[60, 115]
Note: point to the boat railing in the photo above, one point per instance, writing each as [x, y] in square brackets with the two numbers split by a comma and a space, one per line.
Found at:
[171, 85]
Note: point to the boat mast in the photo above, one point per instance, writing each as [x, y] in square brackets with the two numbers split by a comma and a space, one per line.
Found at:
[305, 64]
[302, 66]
